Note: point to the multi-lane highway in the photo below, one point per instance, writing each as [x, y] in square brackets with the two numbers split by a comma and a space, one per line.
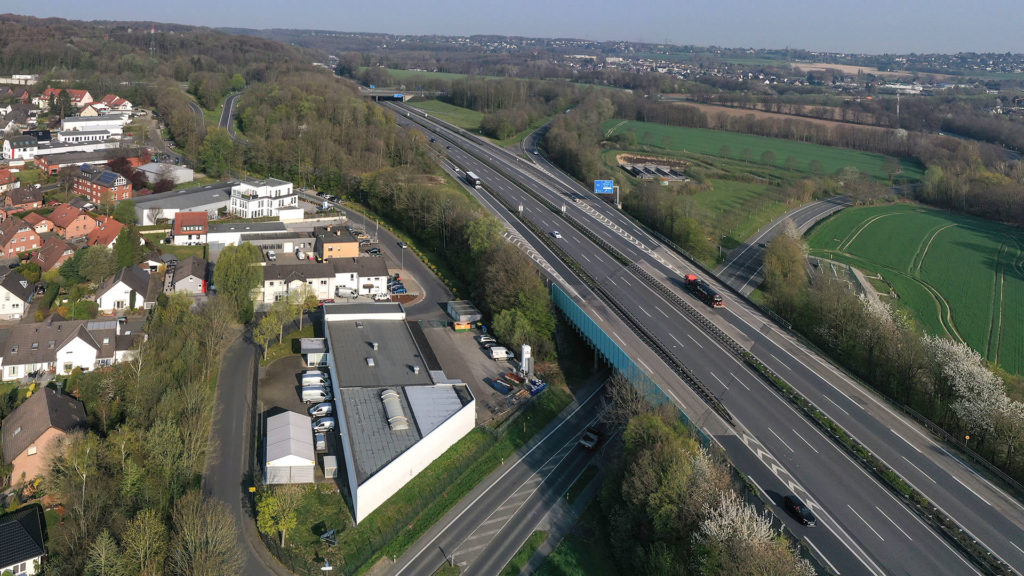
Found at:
[863, 528]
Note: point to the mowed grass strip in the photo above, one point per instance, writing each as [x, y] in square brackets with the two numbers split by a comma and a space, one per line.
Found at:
[462, 117]
[961, 277]
[711, 143]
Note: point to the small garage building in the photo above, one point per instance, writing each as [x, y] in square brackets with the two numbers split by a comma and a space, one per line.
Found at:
[290, 455]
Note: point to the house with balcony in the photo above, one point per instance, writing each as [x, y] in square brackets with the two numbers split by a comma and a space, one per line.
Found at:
[190, 228]
[260, 198]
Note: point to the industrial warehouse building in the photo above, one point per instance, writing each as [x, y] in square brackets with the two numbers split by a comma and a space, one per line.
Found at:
[290, 457]
[397, 412]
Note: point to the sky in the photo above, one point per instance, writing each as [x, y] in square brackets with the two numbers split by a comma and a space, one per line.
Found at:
[868, 26]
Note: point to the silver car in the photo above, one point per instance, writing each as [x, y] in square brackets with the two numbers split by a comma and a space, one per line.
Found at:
[321, 409]
[323, 424]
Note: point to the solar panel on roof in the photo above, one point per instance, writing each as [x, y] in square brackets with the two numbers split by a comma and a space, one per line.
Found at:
[108, 178]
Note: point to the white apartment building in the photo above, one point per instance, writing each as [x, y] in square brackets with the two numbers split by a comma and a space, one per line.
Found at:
[260, 198]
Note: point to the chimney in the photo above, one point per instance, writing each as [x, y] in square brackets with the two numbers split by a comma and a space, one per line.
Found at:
[416, 369]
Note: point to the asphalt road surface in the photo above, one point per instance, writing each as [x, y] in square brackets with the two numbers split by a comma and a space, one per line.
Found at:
[742, 270]
[863, 528]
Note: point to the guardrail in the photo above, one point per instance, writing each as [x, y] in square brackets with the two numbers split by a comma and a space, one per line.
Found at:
[942, 523]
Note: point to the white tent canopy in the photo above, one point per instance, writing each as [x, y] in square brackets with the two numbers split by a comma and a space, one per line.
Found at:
[290, 455]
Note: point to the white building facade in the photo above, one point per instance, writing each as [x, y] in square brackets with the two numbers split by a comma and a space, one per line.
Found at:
[261, 198]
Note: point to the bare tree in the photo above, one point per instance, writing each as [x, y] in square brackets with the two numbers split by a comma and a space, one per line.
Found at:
[205, 538]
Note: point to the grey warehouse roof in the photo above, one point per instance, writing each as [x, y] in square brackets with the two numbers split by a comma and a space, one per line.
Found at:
[375, 444]
[246, 227]
[188, 198]
[393, 360]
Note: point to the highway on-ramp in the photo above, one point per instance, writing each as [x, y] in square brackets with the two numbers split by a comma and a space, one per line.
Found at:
[864, 529]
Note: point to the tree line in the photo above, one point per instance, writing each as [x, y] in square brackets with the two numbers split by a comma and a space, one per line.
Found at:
[671, 508]
[129, 484]
[944, 380]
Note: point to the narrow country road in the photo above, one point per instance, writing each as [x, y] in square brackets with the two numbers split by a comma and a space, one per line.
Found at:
[224, 477]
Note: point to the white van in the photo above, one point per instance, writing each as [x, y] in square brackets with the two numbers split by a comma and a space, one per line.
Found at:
[271, 256]
[316, 381]
[315, 374]
[311, 394]
[499, 353]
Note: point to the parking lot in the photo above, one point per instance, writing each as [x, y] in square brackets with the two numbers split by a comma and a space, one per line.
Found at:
[462, 357]
[279, 390]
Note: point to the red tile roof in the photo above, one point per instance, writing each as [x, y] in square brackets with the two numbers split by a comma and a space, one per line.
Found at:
[64, 214]
[106, 231]
[182, 219]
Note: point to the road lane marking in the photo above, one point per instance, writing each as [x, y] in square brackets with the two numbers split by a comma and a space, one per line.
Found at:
[822, 556]
[645, 365]
[658, 308]
[894, 524]
[969, 489]
[740, 381]
[677, 340]
[585, 258]
[905, 440]
[612, 281]
[645, 311]
[780, 439]
[713, 375]
[576, 239]
[805, 441]
[695, 341]
[866, 523]
[919, 470]
[834, 404]
[626, 281]
[522, 458]
[619, 337]
[1017, 547]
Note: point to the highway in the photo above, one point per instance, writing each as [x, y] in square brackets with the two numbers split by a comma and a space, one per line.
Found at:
[742, 270]
[227, 114]
[863, 528]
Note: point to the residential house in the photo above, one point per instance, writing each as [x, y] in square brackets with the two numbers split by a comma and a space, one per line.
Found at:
[79, 98]
[16, 237]
[259, 198]
[31, 432]
[55, 251]
[20, 148]
[190, 276]
[22, 95]
[340, 277]
[15, 295]
[70, 222]
[41, 224]
[21, 533]
[105, 233]
[335, 242]
[101, 185]
[22, 200]
[157, 262]
[190, 228]
[128, 289]
[8, 181]
[59, 346]
[115, 103]
[91, 111]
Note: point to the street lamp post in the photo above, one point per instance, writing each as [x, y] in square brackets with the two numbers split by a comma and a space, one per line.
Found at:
[403, 261]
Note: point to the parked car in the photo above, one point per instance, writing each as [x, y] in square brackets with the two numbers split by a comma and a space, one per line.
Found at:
[325, 424]
[271, 255]
[590, 438]
[400, 290]
[320, 441]
[316, 393]
[321, 409]
[799, 510]
[488, 345]
[485, 338]
[326, 301]
[364, 242]
[374, 251]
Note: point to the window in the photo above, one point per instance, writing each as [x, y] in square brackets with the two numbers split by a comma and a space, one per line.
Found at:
[32, 450]
[35, 345]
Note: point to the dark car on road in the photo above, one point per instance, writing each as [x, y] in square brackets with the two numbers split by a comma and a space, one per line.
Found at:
[799, 510]
[590, 438]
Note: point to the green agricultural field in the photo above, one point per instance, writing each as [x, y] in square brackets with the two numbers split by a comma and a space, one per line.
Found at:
[405, 75]
[711, 143]
[961, 277]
